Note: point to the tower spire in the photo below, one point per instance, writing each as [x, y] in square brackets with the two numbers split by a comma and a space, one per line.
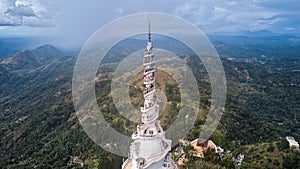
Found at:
[149, 33]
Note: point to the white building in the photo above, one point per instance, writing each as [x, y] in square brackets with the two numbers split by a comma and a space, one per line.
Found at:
[292, 142]
[239, 159]
[150, 149]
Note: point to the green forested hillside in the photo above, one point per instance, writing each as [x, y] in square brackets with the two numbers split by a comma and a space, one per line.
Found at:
[38, 126]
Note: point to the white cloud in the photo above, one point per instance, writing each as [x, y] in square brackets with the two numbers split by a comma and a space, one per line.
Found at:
[20, 10]
[24, 13]
[228, 15]
[5, 21]
[289, 28]
[82, 18]
[120, 11]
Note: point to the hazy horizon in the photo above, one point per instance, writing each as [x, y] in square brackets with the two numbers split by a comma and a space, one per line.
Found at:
[69, 24]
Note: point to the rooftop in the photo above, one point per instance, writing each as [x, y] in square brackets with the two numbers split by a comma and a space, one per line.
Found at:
[204, 145]
[292, 142]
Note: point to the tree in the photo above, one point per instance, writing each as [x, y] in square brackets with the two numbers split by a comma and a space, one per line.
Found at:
[292, 161]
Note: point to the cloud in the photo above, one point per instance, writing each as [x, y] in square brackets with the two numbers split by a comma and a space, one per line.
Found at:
[198, 12]
[24, 13]
[289, 28]
[20, 10]
[120, 11]
[234, 15]
[9, 23]
[74, 21]
[37, 22]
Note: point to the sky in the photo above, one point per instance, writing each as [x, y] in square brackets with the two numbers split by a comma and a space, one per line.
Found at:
[72, 22]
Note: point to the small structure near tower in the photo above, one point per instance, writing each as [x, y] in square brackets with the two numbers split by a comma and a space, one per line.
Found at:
[292, 142]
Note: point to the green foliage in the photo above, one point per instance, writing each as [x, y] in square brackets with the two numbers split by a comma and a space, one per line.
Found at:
[211, 156]
[38, 126]
[271, 148]
[292, 161]
[172, 92]
[283, 145]
[227, 162]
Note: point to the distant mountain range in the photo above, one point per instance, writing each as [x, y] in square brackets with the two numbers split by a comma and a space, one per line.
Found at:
[261, 33]
[12, 45]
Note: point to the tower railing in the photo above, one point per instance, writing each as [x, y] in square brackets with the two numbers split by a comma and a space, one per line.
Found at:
[147, 91]
[148, 60]
[150, 70]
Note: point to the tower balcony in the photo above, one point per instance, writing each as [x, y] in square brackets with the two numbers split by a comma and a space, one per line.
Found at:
[148, 91]
[149, 78]
[145, 131]
[147, 82]
[150, 115]
[149, 58]
[148, 52]
[149, 70]
[148, 61]
[147, 108]
[136, 135]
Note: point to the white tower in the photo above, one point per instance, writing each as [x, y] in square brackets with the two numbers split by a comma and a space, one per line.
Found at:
[149, 149]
